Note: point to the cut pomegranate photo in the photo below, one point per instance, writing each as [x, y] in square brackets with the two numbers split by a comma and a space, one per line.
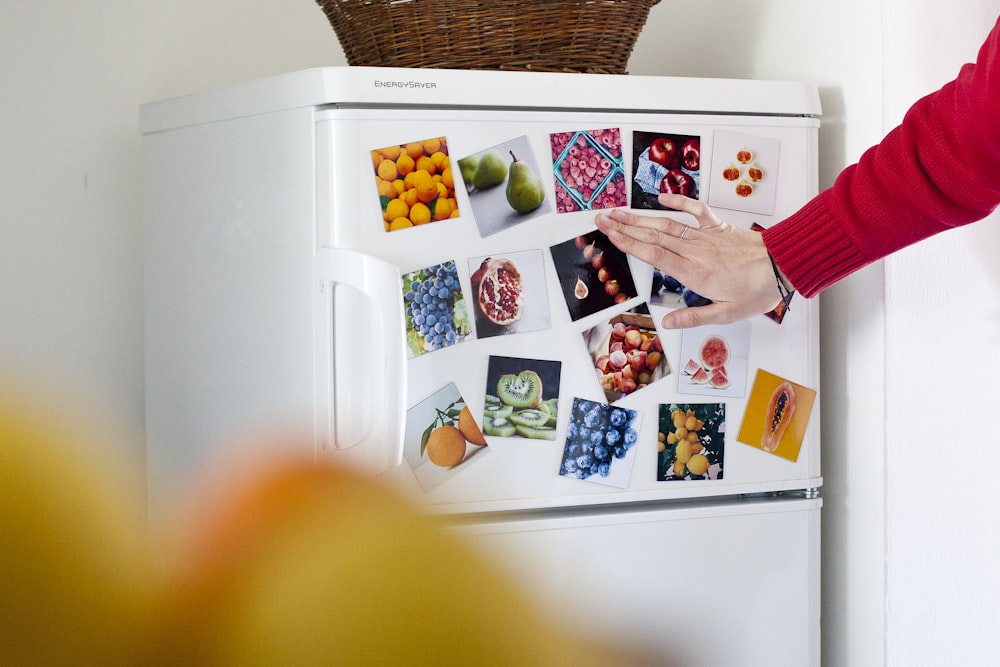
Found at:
[509, 293]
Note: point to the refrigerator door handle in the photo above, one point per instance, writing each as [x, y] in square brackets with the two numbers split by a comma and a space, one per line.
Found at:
[359, 307]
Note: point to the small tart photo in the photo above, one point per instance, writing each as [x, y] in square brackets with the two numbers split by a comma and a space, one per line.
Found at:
[744, 188]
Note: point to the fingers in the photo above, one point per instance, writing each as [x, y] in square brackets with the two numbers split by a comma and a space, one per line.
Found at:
[640, 227]
[685, 318]
[651, 240]
[700, 210]
[720, 312]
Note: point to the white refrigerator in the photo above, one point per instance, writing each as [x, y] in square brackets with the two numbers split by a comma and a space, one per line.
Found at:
[403, 265]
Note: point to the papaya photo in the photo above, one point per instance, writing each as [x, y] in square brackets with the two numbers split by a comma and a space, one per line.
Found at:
[777, 415]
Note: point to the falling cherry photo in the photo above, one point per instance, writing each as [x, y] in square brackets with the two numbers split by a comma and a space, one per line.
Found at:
[593, 274]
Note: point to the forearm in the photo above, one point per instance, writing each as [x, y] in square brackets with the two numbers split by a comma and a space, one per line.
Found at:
[939, 169]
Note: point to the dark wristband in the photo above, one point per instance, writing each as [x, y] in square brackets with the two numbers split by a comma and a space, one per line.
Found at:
[784, 289]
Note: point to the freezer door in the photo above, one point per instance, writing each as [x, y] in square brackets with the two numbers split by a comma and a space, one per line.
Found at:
[715, 584]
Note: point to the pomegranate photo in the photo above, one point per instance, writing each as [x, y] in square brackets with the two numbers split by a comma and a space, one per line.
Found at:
[499, 291]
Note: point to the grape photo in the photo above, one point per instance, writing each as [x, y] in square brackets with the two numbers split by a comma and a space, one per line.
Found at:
[600, 443]
[435, 310]
[691, 441]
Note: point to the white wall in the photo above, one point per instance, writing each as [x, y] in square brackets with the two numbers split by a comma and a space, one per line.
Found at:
[942, 358]
[70, 240]
[73, 75]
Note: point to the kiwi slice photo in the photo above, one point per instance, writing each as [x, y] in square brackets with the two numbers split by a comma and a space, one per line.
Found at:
[499, 427]
[523, 390]
[530, 417]
[494, 410]
[536, 432]
[551, 406]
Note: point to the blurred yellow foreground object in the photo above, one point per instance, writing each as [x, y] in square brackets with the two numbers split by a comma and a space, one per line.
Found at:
[74, 581]
[309, 564]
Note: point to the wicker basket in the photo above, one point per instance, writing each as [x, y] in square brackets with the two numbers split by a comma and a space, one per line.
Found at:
[542, 35]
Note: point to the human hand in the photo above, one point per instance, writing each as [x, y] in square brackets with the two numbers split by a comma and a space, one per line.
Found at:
[726, 264]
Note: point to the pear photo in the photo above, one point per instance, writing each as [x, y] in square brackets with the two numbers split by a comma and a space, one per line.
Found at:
[505, 185]
[491, 170]
[525, 191]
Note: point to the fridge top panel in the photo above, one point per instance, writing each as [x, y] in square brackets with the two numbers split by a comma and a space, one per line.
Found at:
[405, 87]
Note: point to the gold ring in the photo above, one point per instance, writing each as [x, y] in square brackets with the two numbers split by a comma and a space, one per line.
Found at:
[683, 232]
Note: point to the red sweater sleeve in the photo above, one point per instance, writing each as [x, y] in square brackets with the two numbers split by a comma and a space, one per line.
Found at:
[940, 168]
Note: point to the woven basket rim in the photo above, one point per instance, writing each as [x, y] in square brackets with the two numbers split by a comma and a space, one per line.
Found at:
[555, 35]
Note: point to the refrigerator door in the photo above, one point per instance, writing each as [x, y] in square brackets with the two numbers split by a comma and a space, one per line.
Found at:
[714, 583]
[259, 197]
[521, 473]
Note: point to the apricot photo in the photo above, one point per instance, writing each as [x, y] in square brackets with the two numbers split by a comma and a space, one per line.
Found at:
[415, 183]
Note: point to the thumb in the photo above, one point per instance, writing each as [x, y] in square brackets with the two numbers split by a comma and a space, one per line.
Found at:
[713, 313]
